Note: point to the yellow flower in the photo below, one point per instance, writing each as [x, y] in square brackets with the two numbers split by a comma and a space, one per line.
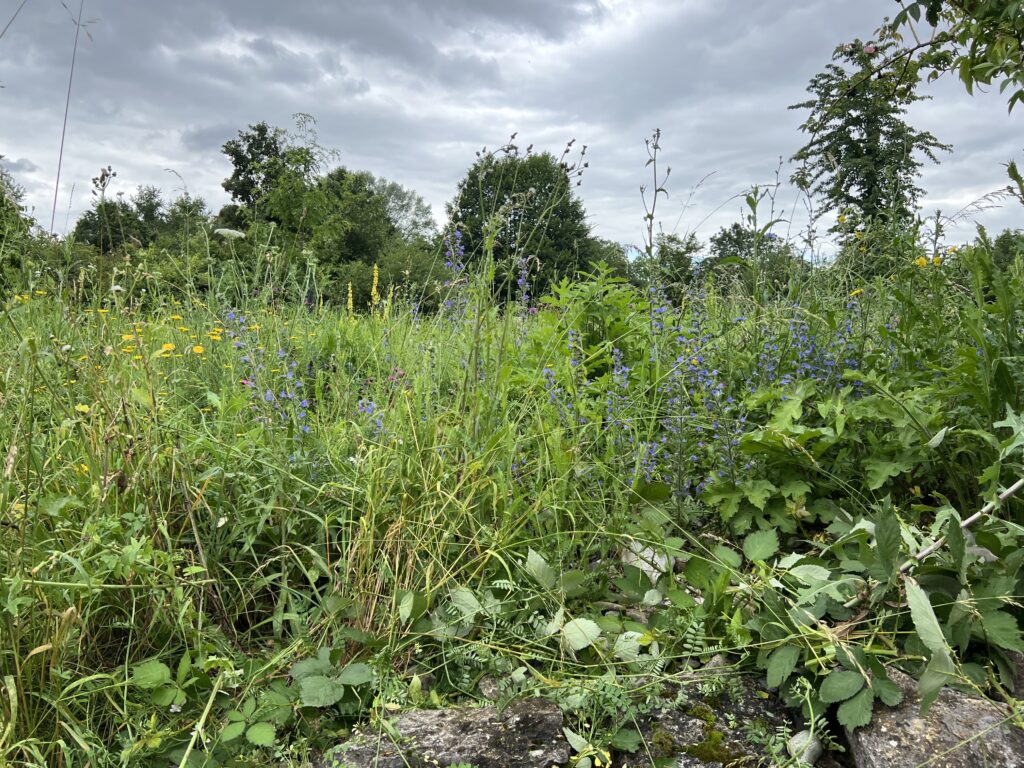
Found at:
[921, 261]
[858, 235]
[350, 308]
[937, 260]
[857, 292]
[82, 408]
[177, 317]
[103, 311]
[198, 349]
[168, 347]
[374, 295]
[842, 218]
[183, 328]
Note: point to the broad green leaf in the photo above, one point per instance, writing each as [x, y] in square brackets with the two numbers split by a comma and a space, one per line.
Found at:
[939, 672]
[150, 674]
[539, 569]
[232, 730]
[1001, 629]
[880, 470]
[320, 691]
[938, 437]
[580, 633]
[786, 413]
[758, 492]
[761, 545]
[318, 665]
[840, 685]
[887, 539]
[811, 574]
[627, 646]
[467, 604]
[856, 712]
[577, 742]
[261, 734]
[923, 616]
[887, 691]
[781, 664]
[627, 740]
[411, 606]
[355, 674]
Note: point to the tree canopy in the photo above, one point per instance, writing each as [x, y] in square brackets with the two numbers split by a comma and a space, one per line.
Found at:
[862, 152]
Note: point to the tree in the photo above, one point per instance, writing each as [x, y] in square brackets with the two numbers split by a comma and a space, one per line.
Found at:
[670, 266]
[527, 203]
[862, 153]
[740, 255]
[257, 157]
[13, 220]
[981, 40]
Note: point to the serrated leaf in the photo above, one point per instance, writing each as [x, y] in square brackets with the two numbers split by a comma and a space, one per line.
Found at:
[887, 691]
[811, 574]
[856, 712]
[539, 569]
[781, 664]
[261, 734]
[840, 685]
[320, 691]
[761, 545]
[923, 616]
[150, 674]
[232, 730]
[758, 492]
[1001, 629]
[580, 633]
[887, 539]
[627, 646]
[318, 665]
[880, 470]
[355, 674]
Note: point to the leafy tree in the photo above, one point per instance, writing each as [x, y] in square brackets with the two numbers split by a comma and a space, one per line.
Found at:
[670, 266]
[526, 203]
[862, 153]
[407, 211]
[982, 40]
[1007, 247]
[257, 157]
[743, 258]
[13, 220]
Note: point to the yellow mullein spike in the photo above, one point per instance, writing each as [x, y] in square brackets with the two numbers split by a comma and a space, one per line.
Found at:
[351, 309]
[374, 295]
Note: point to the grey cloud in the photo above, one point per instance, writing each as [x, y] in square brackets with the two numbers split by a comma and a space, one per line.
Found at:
[21, 165]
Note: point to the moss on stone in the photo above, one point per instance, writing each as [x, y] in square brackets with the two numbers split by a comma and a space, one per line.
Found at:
[704, 713]
[714, 749]
[663, 744]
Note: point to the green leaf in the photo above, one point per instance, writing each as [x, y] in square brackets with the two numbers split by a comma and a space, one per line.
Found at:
[939, 672]
[856, 712]
[467, 604]
[580, 633]
[938, 437]
[355, 674]
[150, 674]
[786, 413]
[318, 665]
[887, 539]
[320, 691]
[781, 664]
[627, 739]
[879, 471]
[761, 545]
[411, 606]
[232, 730]
[627, 646]
[811, 574]
[539, 569]
[1001, 629]
[840, 685]
[261, 734]
[758, 492]
[887, 691]
[923, 616]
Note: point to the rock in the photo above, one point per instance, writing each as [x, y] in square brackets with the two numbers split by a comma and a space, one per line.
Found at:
[805, 746]
[959, 731]
[709, 732]
[652, 563]
[1017, 660]
[489, 688]
[717, 661]
[527, 734]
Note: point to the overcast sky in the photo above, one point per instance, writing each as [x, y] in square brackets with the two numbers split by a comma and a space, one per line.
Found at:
[411, 89]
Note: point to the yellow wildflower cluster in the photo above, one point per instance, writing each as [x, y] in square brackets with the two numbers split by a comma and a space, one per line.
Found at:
[924, 261]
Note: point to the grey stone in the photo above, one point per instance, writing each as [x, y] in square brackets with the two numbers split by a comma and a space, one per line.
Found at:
[527, 734]
[959, 731]
[709, 732]
[805, 746]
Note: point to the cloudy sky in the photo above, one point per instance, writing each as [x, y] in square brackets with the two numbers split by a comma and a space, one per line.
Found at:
[411, 89]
